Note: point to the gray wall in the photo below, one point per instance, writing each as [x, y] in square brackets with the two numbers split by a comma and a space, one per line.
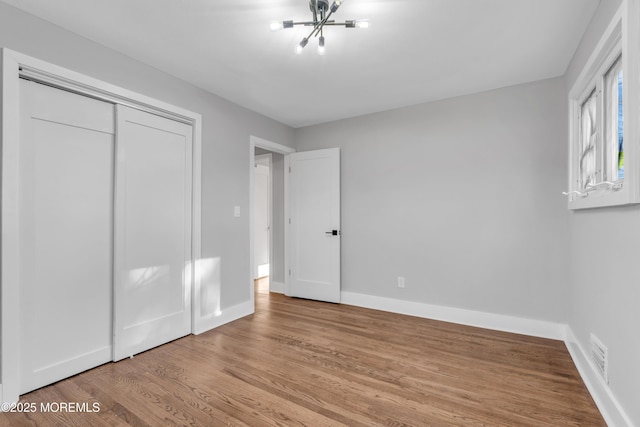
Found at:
[461, 197]
[225, 139]
[605, 267]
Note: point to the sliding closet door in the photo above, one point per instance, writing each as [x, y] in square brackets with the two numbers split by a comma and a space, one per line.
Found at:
[152, 231]
[65, 202]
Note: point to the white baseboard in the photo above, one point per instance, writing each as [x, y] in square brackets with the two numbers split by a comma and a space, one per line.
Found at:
[518, 325]
[277, 287]
[227, 315]
[606, 402]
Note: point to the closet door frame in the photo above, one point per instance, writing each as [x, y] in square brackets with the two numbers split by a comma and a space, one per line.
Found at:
[13, 66]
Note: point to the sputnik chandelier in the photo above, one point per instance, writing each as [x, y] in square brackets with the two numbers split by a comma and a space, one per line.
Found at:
[321, 13]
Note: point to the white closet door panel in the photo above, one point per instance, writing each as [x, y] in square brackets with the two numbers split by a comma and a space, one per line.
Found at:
[59, 106]
[66, 217]
[153, 231]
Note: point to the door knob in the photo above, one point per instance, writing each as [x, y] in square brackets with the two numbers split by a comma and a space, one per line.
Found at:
[332, 232]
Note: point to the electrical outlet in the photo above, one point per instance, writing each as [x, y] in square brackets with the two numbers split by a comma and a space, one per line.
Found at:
[400, 281]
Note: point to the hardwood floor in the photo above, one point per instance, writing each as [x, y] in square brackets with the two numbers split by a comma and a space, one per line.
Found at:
[299, 362]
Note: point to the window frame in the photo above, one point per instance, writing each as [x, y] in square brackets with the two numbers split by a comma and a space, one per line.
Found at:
[621, 33]
[611, 116]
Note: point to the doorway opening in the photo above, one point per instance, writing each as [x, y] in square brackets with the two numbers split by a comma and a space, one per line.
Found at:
[267, 213]
[262, 208]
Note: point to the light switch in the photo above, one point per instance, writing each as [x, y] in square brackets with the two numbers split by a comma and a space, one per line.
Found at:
[236, 211]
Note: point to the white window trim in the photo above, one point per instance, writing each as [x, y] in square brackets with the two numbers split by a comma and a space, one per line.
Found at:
[621, 33]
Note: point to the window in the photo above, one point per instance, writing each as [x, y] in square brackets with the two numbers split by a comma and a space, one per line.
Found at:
[588, 142]
[614, 127]
[602, 168]
[601, 159]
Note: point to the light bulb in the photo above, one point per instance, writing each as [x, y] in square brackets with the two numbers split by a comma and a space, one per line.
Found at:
[301, 45]
[277, 26]
[321, 48]
[350, 23]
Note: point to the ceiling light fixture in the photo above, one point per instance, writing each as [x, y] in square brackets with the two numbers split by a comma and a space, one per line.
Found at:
[321, 11]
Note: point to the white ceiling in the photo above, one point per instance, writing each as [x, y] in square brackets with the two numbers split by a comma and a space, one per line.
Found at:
[415, 50]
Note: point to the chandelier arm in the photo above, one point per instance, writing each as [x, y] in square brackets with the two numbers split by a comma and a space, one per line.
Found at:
[334, 23]
[319, 25]
[311, 23]
[311, 33]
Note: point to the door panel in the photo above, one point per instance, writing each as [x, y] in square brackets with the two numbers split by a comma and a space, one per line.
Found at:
[66, 216]
[153, 231]
[314, 210]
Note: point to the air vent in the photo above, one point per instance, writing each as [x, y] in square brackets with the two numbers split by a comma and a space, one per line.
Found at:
[599, 358]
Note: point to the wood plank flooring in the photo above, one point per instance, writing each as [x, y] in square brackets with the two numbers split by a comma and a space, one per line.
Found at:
[305, 363]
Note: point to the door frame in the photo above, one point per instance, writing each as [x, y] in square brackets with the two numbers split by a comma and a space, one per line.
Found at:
[274, 147]
[13, 65]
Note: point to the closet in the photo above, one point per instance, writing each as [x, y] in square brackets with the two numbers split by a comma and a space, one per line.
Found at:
[104, 199]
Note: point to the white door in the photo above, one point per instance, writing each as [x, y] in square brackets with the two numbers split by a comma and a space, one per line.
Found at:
[65, 208]
[153, 271]
[314, 228]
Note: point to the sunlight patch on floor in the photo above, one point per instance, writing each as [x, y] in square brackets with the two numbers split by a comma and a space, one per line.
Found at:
[262, 285]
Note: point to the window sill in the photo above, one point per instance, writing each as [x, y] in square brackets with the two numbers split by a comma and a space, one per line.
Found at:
[602, 197]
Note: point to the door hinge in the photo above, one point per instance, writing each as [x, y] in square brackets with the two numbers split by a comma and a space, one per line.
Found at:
[289, 169]
[289, 272]
[289, 220]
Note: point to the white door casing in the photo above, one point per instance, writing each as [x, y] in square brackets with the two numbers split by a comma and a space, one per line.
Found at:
[256, 142]
[152, 231]
[314, 225]
[65, 233]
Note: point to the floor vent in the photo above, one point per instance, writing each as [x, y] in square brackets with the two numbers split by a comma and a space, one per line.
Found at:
[599, 358]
